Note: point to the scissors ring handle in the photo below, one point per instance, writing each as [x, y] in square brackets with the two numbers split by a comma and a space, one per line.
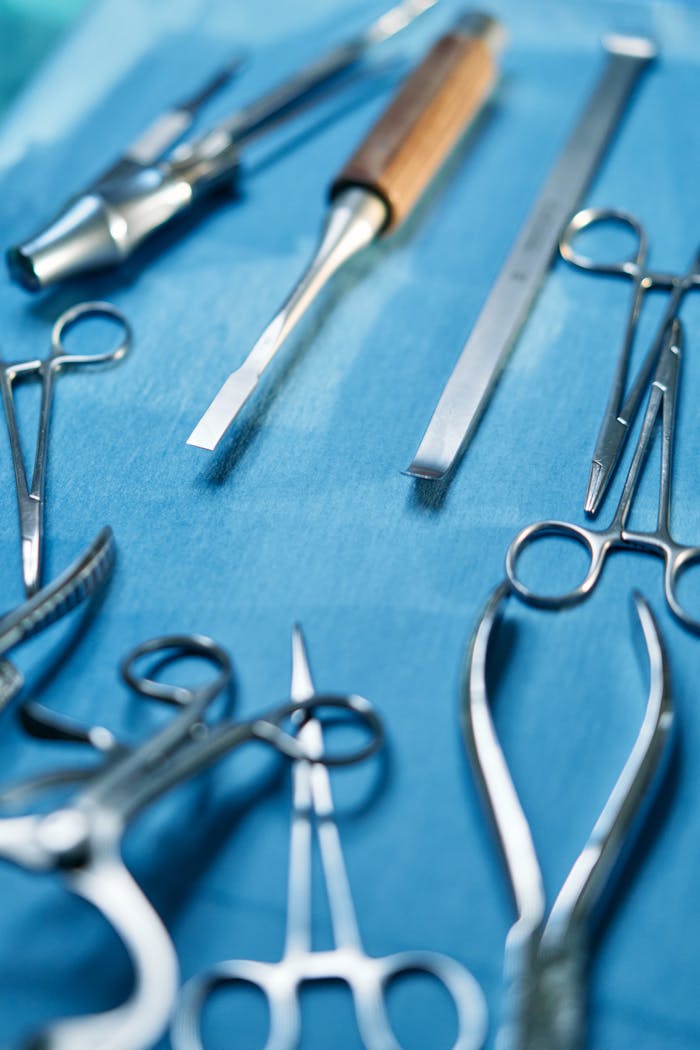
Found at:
[73, 316]
[462, 987]
[173, 647]
[595, 543]
[269, 728]
[590, 217]
[678, 562]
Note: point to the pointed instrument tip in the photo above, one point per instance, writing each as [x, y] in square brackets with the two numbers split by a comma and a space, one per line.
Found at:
[596, 487]
[302, 682]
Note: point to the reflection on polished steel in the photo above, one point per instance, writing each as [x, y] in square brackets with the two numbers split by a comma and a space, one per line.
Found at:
[80, 840]
[355, 219]
[106, 222]
[366, 976]
[30, 500]
[546, 957]
[469, 387]
[84, 578]
[620, 414]
[600, 542]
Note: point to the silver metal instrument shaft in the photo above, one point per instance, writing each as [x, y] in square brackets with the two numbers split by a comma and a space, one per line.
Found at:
[378, 187]
[354, 220]
[471, 384]
[106, 222]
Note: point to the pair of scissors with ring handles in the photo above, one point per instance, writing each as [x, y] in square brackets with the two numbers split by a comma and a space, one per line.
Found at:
[30, 498]
[366, 976]
[599, 542]
[546, 956]
[621, 410]
[81, 838]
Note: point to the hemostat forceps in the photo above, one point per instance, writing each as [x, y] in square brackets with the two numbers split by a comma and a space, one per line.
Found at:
[599, 542]
[367, 977]
[620, 414]
[546, 957]
[30, 499]
[81, 840]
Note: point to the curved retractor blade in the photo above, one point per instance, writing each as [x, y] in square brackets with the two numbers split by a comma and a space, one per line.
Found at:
[139, 1022]
[545, 961]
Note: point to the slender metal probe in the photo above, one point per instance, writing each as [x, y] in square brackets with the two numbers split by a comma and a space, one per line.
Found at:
[472, 381]
[377, 188]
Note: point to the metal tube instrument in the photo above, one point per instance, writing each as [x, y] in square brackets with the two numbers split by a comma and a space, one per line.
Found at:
[546, 956]
[378, 187]
[472, 381]
[104, 224]
[79, 839]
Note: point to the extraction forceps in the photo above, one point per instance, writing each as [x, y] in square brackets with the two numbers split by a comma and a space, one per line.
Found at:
[367, 977]
[621, 410]
[600, 542]
[546, 957]
[30, 499]
[104, 224]
[378, 187]
[80, 840]
[82, 579]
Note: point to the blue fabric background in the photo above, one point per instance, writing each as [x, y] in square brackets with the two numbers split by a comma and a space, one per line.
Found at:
[305, 515]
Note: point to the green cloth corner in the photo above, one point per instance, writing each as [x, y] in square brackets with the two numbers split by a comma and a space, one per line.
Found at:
[28, 29]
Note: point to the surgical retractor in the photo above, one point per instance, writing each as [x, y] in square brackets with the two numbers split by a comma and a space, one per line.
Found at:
[378, 187]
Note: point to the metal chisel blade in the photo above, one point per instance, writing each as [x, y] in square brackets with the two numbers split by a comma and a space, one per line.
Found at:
[224, 408]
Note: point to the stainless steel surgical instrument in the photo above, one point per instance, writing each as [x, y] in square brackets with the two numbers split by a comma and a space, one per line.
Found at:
[473, 378]
[105, 223]
[546, 957]
[366, 976]
[599, 542]
[30, 500]
[82, 579]
[80, 839]
[620, 415]
[378, 187]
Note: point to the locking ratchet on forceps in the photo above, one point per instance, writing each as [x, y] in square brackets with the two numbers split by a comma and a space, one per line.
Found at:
[103, 225]
[546, 957]
[30, 498]
[367, 977]
[678, 558]
[80, 840]
[621, 411]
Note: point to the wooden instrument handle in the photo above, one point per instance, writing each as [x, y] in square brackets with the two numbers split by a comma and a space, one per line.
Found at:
[434, 106]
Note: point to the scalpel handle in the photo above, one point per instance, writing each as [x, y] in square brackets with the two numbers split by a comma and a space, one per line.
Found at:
[437, 102]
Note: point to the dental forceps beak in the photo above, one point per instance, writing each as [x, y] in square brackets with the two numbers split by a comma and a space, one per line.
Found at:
[546, 958]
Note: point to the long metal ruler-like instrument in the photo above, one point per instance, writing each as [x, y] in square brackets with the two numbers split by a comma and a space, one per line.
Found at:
[469, 388]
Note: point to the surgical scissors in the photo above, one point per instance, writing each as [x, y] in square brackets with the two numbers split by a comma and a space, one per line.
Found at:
[30, 500]
[366, 976]
[620, 414]
[546, 957]
[599, 542]
[81, 839]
